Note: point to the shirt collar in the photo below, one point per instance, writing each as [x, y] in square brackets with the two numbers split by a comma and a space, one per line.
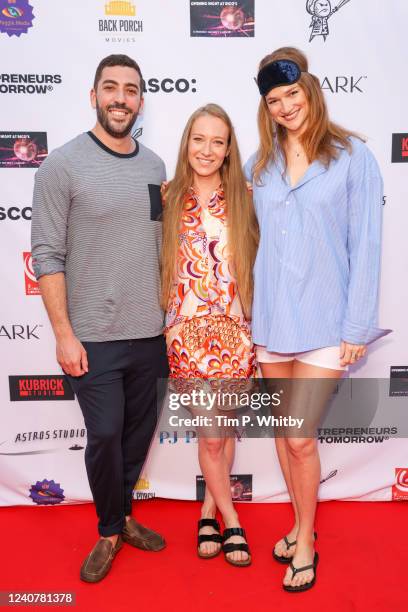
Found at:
[315, 169]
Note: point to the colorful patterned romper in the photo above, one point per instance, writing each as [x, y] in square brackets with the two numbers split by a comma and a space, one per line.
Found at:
[206, 331]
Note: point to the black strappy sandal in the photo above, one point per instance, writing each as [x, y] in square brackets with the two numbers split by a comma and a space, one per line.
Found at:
[209, 537]
[296, 570]
[282, 558]
[232, 547]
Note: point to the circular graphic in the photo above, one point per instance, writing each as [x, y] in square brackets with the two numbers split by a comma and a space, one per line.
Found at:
[232, 18]
[28, 267]
[402, 481]
[25, 149]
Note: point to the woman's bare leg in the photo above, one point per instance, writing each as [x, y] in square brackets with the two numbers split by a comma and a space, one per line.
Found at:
[304, 466]
[215, 466]
[283, 370]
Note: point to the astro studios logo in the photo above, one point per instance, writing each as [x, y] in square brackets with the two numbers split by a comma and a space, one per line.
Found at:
[321, 11]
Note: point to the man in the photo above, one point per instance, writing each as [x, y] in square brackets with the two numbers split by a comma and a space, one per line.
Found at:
[96, 237]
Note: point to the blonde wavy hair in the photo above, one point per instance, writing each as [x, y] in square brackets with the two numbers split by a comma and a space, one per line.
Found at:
[321, 135]
[242, 226]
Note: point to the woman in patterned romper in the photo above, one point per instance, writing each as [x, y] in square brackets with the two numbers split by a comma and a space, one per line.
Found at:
[210, 236]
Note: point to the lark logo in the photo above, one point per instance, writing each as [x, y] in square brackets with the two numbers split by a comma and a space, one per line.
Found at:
[399, 148]
[20, 332]
[400, 487]
[321, 11]
[343, 84]
[120, 8]
[39, 388]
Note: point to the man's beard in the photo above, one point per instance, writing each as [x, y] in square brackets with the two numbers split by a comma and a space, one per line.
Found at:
[105, 121]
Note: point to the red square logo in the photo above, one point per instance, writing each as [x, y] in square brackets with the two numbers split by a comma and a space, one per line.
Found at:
[400, 487]
[31, 284]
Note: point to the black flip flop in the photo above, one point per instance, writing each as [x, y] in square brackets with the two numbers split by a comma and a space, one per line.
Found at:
[296, 570]
[210, 537]
[282, 558]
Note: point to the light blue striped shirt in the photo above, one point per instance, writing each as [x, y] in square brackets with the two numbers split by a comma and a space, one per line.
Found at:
[317, 269]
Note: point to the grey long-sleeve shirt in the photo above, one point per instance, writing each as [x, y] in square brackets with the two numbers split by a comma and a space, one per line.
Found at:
[96, 217]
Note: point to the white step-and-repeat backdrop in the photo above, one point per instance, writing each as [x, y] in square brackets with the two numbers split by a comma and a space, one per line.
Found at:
[191, 53]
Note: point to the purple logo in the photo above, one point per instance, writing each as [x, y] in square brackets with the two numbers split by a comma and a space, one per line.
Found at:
[47, 493]
[16, 16]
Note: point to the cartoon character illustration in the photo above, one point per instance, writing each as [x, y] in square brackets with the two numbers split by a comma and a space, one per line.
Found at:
[321, 11]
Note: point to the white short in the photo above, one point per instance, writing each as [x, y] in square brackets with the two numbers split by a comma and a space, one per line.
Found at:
[327, 357]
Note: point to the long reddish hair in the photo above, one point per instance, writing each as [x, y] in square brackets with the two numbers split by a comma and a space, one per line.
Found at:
[321, 136]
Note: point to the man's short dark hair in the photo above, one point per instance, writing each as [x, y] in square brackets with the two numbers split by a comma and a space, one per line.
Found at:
[118, 59]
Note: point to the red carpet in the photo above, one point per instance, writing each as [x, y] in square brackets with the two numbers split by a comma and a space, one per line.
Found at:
[362, 547]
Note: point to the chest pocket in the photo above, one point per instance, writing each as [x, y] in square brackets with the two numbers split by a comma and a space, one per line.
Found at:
[156, 205]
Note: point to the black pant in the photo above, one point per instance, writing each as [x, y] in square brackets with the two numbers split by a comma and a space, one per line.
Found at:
[119, 401]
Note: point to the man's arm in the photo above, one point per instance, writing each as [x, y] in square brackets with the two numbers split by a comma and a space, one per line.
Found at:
[51, 205]
[71, 355]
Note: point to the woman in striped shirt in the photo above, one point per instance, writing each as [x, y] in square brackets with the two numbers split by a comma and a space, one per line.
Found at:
[318, 197]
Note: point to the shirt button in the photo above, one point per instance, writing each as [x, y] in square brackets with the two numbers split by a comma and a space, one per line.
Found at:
[283, 232]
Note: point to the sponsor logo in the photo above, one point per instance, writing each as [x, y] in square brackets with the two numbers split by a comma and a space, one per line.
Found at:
[121, 20]
[188, 435]
[120, 8]
[39, 388]
[170, 85]
[356, 435]
[28, 83]
[50, 434]
[16, 16]
[23, 437]
[23, 150]
[13, 213]
[172, 437]
[241, 487]
[31, 284]
[329, 476]
[141, 490]
[47, 493]
[399, 381]
[399, 148]
[343, 84]
[20, 332]
[321, 11]
[222, 19]
[400, 487]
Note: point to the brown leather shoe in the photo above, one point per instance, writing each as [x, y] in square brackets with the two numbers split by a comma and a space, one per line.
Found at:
[99, 561]
[137, 535]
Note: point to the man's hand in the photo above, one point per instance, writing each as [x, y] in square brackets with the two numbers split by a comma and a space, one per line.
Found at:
[350, 353]
[72, 356]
